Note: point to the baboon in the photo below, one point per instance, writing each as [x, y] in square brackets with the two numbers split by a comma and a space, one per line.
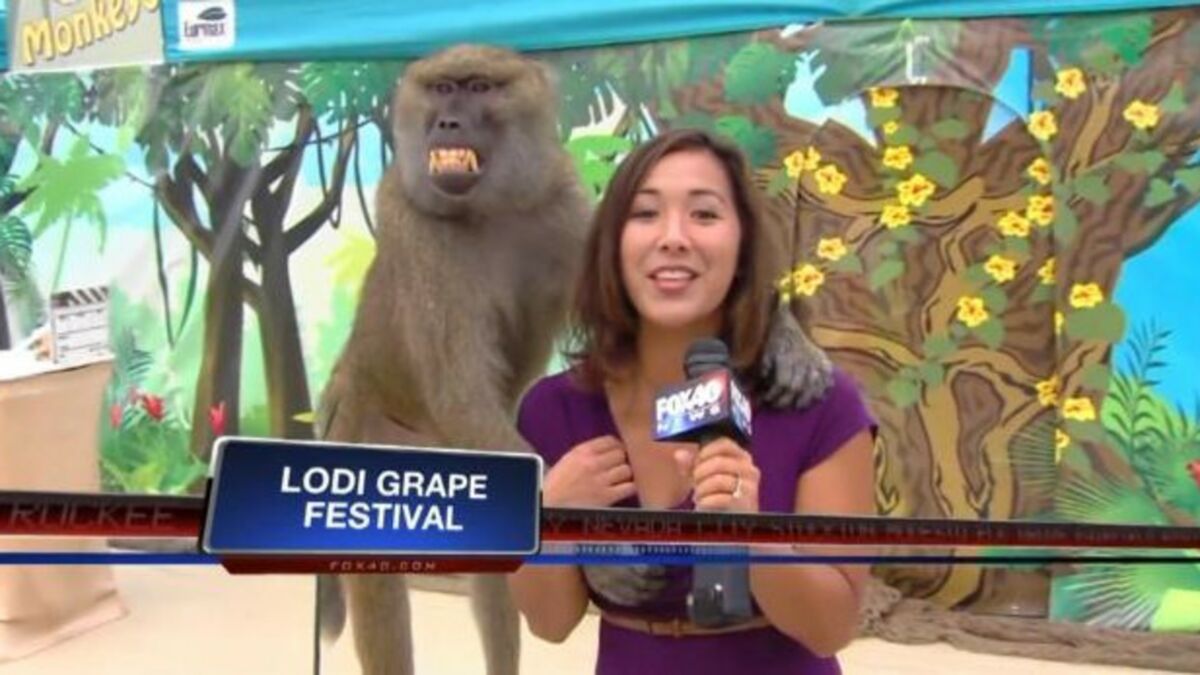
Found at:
[482, 220]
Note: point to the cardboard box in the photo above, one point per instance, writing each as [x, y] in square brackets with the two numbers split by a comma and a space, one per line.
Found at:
[49, 440]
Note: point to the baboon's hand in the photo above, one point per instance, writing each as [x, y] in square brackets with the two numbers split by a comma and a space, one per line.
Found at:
[626, 585]
[796, 371]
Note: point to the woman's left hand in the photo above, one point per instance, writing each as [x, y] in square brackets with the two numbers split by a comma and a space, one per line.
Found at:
[724, 477]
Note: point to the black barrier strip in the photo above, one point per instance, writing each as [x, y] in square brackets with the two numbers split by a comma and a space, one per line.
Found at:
[119, 515]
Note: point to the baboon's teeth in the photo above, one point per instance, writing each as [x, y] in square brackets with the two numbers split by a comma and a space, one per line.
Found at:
[453, 160]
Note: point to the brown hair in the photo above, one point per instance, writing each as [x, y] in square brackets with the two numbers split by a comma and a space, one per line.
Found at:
[604, 319]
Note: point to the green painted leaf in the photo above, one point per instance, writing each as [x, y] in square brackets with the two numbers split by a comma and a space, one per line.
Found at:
[1044, 91]
[757, 142]
[779, 182]
[977, 275]
[1093, 188]
[1095, 377]
[1129, 37]
[937, 347]
[903, 392]
[1178, 611]
[888, 248]
[16, 248]
[907, 234]
[991, 333]
[849, 263]
[879, 116]
[64, 189]
[939, 167]
[1042, 293]
[885, 272]
[1189, 178]
[958, 331]
[1153, 160]
[1085, 431]
[926, 142]
[758, 72]
[1066, 223]
[933, 374]
[1160, 193]
[1017, 246]
[995, 299]
[1105, 322]
[1174, 101]
[905, 135]
[951, 129]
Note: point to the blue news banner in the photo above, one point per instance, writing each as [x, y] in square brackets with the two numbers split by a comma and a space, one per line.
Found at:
[303, 498]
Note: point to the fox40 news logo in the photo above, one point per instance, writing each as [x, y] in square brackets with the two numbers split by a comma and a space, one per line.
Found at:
[691, 405]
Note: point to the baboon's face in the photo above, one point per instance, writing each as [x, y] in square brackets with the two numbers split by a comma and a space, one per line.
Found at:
[461, 133]
[475, 129]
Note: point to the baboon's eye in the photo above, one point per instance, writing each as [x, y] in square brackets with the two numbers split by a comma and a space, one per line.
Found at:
[480, 86]
[443, 87]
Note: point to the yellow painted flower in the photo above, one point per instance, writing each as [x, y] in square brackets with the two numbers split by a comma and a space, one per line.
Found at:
[1141, 114]
[1080, 409]
[891, 127]
[915, 190]
[831, 249]
[1085, 296]
[807, 279]
[897, 157]
[1059, 321]
[830, 180]
[895, 215]
[1013, 224]
[1040, 209]
[794, 164]
[1071, 83]
[1047, 272]
[1061, 441]
[972, 311]
[883, 97]
[812, 159]
[1043, 125]
[1047, 392]
[784, 286]
[1039, 170]
[1002, 269]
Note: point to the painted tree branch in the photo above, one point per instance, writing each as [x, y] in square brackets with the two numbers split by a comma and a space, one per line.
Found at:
[309, 224]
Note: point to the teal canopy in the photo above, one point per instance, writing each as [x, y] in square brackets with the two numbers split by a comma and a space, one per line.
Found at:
[314, 30]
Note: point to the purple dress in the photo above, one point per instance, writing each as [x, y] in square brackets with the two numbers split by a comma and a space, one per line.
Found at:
[556, 414]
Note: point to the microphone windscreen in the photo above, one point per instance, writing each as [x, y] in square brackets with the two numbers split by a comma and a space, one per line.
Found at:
[705, 355]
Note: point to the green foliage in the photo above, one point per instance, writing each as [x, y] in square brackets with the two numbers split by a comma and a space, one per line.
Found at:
[16, 248]
[757, 142]
[1093, 187]
[903, 391]
[939, 167]
[884, 273]
[1189, 179]
[850, 263]
[860, 55]
[65, 189]
[1105, 321]
[596, 158]
[757, 73]
[1174, 102]
[1104, 43]
[990, 333]
[339, 91]
[1149, 161]
[1160, 193]
[937, 347]
[1128, 596]
[951, 129]
[1066, 222]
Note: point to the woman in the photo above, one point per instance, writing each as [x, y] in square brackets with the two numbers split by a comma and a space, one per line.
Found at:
[677, 252]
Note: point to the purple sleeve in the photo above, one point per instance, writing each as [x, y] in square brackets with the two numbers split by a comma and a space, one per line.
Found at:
[841, 414]
[541, 422]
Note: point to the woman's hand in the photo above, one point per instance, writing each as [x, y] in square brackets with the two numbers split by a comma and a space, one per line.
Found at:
[595, 473]
[724, 477]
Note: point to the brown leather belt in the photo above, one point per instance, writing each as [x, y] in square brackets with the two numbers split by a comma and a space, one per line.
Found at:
[679, 627]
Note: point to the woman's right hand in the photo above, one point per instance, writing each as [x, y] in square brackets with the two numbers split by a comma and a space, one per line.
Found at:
[595, 473]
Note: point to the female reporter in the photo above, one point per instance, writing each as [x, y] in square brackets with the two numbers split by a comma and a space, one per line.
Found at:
[677, 252]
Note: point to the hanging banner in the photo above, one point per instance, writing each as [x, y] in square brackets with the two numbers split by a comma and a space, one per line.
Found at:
[72, 34]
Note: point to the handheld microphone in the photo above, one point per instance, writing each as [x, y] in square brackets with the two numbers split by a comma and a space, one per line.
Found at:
[706, 407]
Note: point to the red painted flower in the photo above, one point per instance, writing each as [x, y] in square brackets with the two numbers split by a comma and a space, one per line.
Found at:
[1194, 469]
[216, 418]
[115, 414]
[153, 406]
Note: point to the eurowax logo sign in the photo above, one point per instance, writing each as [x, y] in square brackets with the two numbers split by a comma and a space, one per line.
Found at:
[208, 24]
